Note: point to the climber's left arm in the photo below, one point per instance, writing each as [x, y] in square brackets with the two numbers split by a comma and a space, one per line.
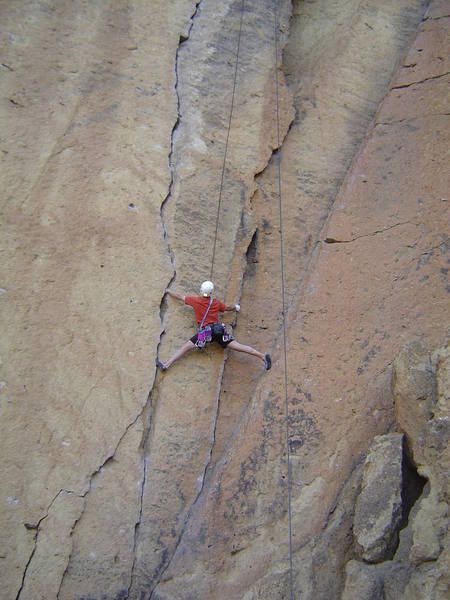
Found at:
[230, 307]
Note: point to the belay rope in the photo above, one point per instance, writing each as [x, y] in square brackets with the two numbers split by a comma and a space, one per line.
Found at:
[283, 303]
[291, 578]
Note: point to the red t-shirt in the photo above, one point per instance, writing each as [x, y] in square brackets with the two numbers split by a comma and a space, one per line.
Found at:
[200, 304]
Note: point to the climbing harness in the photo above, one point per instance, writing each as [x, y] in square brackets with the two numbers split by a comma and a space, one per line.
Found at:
[223, 331]
[204, 335]
[288, 453]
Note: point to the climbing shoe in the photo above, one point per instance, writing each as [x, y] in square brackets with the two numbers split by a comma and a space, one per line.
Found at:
[160, 365]
[267, 361]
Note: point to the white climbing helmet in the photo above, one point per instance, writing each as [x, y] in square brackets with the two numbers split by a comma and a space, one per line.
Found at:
[206, 289]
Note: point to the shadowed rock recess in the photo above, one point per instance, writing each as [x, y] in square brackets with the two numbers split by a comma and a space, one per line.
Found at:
[120, 482]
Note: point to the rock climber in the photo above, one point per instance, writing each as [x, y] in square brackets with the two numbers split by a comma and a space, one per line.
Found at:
[206, 311]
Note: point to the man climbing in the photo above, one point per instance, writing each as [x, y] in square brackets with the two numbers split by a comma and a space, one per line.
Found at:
[206, 310]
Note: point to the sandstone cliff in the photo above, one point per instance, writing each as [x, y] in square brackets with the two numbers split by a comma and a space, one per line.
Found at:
[121, 482]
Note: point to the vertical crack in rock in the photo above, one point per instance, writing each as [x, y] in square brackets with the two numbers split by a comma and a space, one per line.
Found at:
[248, 261]
[58, 597]
[89, 487]
[413, 485]
[36, 527]
[184, 36]
[202, 479]
[36, 537]
[144, 443]
[245, 266]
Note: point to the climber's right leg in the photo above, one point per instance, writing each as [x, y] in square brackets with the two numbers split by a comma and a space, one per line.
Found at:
[186, 347]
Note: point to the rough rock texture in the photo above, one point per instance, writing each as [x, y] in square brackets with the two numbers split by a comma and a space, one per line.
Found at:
[429, 436]
[419, 567]
[87, 107]
[114, 121]
[378, 510]
[362, 583]
[53, 545]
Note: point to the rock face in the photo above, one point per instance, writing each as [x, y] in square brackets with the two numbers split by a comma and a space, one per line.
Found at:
[429, 437]
[362, 583]
[378, 510]
[419, 567]
[118, 482]
[87, 114]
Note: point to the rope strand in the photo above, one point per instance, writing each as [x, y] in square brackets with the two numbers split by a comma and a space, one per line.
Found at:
[226, 143]
[291, 578]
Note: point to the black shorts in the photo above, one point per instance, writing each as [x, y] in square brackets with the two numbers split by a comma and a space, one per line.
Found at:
[217, 333]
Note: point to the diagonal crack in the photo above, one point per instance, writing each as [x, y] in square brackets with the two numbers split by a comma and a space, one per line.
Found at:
[436, 18]
[331, 240]
[400, 121]
[442, 246]
[407, 85]
[109, 459]
[36, 526]
[36, 536]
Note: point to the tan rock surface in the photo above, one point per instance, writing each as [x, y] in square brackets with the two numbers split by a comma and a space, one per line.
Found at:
[87, 109]
[359, 53]
[53, 547]
[103, 540]
[114, 123]
[346, 325]
[184, 419]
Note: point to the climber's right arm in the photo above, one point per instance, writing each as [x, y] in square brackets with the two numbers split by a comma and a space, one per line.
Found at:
[176, 295]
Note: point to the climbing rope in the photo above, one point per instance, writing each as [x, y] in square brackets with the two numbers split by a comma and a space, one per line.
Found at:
[226, 143]
[291, 577]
